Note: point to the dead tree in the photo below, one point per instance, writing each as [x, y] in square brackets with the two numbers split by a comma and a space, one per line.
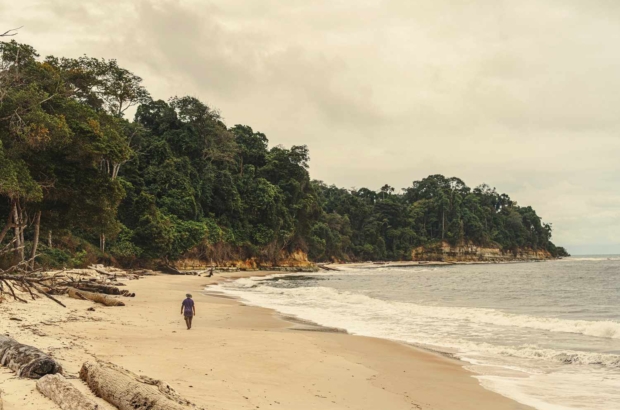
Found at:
[14, 278]
[17, 227]
[35, 242]
[7, 226]
[17, 283]
[10, 33]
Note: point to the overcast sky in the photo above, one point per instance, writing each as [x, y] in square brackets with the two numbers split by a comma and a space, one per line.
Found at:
[523, 95]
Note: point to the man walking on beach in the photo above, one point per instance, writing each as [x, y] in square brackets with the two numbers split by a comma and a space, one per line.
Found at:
[188, 310]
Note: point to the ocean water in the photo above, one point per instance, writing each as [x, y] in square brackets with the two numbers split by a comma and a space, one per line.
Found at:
[545, 334]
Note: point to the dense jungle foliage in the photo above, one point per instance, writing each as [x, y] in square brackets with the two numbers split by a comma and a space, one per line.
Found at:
[177, 181]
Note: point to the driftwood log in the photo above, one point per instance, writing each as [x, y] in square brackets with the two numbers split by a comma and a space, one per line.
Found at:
[101, 272]
[113, 276]
[170, 270]
[58, 389]
[26, 361]
[95, 297]
[105, 289]
[97, 288]
[128, 391]
[1, 405]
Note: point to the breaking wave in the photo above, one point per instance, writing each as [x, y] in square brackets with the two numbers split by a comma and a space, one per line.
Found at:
[364, 305]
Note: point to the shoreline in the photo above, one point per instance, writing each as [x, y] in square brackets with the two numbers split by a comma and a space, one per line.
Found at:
[238, 356]
[416, 264]
[300, 324]
[317, 266]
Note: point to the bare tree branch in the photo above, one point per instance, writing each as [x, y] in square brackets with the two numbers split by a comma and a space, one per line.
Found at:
[10, 33]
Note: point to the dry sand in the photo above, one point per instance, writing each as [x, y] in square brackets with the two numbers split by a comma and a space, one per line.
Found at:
[236, 356]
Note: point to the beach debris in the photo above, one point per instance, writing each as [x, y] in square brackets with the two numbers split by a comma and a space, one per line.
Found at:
[31, 283]
[171, 270]
[106, 289]
[1, 405]
[95, 297]
[23, 285]
[91, 286]
[112, 273]
[128, 391]
[26, 361]
[327, 268]
[21, 280]
[59, 390]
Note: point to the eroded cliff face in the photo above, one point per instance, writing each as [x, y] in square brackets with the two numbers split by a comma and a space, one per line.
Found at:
[296, 259]
[471, 253]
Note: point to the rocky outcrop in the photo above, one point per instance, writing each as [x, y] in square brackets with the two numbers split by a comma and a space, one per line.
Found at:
[444, 252]
[287, 261]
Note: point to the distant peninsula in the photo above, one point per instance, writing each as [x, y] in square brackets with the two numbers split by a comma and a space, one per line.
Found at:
[80, 183]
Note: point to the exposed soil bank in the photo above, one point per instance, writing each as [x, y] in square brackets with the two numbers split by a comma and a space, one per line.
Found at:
[445, 252]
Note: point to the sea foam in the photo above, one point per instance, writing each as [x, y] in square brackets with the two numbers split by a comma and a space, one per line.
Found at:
[323, 296]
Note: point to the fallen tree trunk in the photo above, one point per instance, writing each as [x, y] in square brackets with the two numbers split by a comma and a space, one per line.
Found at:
[56, 388]
[95, 297]
[113, 276]
[1, 405]
[96, 288]
[104, 273]
[26, 361]
[128, 391]
[105, 289]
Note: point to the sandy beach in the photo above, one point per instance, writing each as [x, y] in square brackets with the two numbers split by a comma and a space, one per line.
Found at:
[236, 356]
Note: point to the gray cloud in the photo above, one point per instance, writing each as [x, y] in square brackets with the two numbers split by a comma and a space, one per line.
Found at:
[522, 95]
